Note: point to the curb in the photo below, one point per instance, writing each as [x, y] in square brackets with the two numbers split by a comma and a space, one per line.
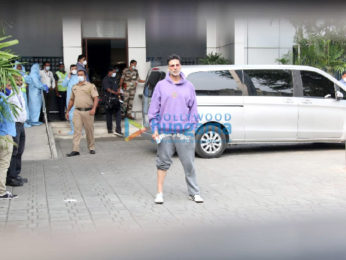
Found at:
[51, 141]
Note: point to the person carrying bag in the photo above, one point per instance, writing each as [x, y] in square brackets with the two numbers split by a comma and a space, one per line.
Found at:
[111, 102]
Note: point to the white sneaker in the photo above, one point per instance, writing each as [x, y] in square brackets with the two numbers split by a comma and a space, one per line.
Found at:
[159, 198]
[197, 198]
[8, 196]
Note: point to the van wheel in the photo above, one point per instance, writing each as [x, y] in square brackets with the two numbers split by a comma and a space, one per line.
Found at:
[210, 141]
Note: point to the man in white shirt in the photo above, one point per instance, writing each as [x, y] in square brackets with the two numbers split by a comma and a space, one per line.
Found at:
[47, 78]
[13, 178]
[343, 78]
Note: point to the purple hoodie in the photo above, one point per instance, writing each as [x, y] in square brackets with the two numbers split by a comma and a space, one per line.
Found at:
[173, 107]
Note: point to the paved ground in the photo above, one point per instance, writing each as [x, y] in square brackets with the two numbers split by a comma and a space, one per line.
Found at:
[115, 189]
[36, 142]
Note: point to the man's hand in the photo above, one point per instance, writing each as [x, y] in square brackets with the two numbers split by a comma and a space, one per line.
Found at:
[46, 88]
[155, 135]
[92, 112]
[67, 116]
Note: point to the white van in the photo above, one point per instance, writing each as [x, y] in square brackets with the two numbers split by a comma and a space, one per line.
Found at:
[240, 104]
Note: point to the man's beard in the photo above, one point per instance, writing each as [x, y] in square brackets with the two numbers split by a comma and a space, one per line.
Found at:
[175, 74]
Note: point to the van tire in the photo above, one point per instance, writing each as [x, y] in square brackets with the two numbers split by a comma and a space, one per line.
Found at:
[210, 133]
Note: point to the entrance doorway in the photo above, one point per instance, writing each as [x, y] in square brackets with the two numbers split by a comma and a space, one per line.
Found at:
[102, 54]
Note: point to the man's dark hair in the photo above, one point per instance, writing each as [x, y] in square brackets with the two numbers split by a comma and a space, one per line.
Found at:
[72, 65]
[45, 63]
[343, 73]
[110, 69]
[82, 70]
[81, 57]
[173, 57]
[132, 61]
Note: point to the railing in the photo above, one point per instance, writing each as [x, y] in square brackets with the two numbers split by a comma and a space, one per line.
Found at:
[50, 135]
[162, 61]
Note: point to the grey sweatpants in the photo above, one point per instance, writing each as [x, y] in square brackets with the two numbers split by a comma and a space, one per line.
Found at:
[185, 147]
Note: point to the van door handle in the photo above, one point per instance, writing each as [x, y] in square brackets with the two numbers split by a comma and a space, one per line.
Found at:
[307, 102]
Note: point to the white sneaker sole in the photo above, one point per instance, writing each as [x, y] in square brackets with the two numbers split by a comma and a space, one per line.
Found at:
[117, 134]
[13, 198]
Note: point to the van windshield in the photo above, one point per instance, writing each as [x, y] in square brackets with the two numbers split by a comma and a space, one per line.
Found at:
[154, 77]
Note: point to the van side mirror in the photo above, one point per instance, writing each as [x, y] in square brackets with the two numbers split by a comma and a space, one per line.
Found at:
[328, 96]
[339, 95]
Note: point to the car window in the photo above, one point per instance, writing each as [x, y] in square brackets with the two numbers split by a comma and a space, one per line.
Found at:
[154, 77]
[268, 82]
[316, 85]
[214, 83]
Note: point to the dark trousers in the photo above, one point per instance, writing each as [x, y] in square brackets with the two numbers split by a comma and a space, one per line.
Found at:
[16, 159]
[61, 104]
[109, 117]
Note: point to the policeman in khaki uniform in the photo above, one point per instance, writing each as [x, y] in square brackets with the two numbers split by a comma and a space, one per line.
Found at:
[129, 78]
[84, 97]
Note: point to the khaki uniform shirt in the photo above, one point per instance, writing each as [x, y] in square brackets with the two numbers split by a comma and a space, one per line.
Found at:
[83, 95]
[130, 77]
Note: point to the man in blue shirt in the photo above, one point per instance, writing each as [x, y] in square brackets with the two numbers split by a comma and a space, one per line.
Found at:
[7, 131]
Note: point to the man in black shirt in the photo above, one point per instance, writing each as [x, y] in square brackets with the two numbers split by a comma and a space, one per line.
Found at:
[112, 91]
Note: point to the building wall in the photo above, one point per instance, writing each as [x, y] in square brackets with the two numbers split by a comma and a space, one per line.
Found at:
[220, 31]
[173, 29]
[38, 29]
[266, 40]
[248, 40]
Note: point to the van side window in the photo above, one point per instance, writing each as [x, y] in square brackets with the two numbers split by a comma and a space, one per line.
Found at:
[316, 85]
[154, 77]
[214, 83]
[268, 82]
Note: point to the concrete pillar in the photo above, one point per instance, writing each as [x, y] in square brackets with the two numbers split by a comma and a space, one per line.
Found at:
[72, 40]
[137, 51]
[137, 44]
[212, 45]
[240, 40]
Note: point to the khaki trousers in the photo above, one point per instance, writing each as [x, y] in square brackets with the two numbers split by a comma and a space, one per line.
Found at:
[6, 148]
[83, 119]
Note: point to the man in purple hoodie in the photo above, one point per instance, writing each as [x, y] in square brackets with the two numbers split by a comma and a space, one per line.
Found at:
[173, 118]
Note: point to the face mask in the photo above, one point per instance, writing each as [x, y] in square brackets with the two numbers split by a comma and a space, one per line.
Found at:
[133, 67]
[113, 75]
[80, 78]
[84, 62]
[47, 68]
[344, 79]
[74, 72]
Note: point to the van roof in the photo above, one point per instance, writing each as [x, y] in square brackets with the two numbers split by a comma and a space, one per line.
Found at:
[188, 69]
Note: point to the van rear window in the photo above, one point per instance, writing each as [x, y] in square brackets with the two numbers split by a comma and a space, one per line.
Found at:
[154, 77]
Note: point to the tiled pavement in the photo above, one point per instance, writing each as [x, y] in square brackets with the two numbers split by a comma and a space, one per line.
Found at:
[115, 189]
